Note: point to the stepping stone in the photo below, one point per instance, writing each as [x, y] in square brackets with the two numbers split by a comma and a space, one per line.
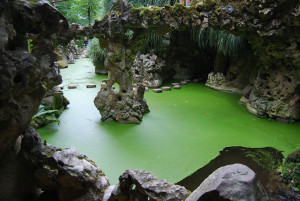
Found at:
[72, 86]
[175, 84]
[157, 90]
[183, 82]
[91, 86]
[146, 89]
[166, 88]
[187, 80]
[177, 87]
[61, 86]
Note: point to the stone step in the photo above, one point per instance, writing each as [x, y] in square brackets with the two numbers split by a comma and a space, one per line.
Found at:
[72, 86]
[177, 87]
[157, 90]
[91, 86]
[166, 88]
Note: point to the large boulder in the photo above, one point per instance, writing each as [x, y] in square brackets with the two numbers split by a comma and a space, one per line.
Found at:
[140, 185]
[65, 173]
[231, 182]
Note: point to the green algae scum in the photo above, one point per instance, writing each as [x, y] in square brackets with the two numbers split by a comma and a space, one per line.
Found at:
[185, 129]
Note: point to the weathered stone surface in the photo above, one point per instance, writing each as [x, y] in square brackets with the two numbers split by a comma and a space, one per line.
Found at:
[231, 182]
[157, 90]
[166, 88]
[140, 185]
[147, 70]
[68, 53]
[25, 75]
[66, 173]
[91, 86]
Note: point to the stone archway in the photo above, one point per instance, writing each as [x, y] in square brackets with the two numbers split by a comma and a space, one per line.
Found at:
[265, 25]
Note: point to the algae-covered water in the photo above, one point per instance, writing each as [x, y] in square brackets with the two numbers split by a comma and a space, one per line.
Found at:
[184, 130]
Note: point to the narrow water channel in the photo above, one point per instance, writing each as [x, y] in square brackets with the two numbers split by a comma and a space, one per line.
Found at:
[184, 130]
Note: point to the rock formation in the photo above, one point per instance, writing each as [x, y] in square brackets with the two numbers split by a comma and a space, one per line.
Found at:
[147, 69]
[141, 185]
[271, 28]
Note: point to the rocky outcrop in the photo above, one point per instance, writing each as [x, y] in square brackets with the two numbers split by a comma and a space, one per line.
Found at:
[147, 69]
[25, 76]
[141, 185]
[231, 182]
[68, 53]
[66, 174]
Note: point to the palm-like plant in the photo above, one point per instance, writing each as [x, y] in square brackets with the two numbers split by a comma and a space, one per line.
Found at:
[228, 44]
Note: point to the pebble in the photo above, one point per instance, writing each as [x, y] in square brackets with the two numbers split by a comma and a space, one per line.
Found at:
[146, 89]
[175, 84]
[183, 82]
[177, 87]
[166, 88]
[72, 86]
[157, 90]
[187, 80]
[91, 86]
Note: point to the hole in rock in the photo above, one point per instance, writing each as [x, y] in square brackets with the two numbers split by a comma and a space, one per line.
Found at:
[133, 186]
[18, 78]
[119, 98]
[116, 87]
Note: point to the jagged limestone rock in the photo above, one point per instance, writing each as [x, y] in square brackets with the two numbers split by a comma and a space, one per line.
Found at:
[147, 70]
[66, 173]
[140, 185]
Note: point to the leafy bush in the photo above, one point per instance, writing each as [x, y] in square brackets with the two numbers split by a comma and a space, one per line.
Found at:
[291, 170]
[95, 52]
[44, 116]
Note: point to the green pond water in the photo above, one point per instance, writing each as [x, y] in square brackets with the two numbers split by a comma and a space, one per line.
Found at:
[184, 130]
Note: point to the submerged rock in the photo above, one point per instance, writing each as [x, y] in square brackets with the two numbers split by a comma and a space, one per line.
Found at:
[231, 182]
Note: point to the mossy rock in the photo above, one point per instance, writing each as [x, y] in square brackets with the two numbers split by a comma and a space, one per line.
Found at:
[291, 170]
[62, 64]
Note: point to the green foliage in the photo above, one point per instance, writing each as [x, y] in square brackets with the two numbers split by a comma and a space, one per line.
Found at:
[45, 113]
[228, 44]
[95, 52]
[129, 33]
[30, 45]
[146, 3]
[156, 42]
[82, 12]
[291, 170]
